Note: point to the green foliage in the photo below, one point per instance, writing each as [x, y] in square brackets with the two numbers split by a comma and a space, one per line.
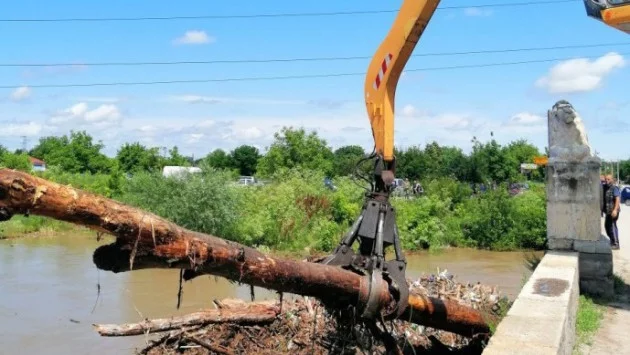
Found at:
[489, 163]
[15, 161]
[346, 159]
[136, 157]
[201, 202]
[494, 220]
[295, 210]
[20, 225]
[96, 183]
[298, 213]
[425, 223]
[219, 159]
[588, 320]
[295, 148]
[176, 159]
[74, 154]
[245, 159]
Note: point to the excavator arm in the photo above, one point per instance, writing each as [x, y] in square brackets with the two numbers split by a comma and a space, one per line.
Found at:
[376, 228]
[386, 67]
[614, 13]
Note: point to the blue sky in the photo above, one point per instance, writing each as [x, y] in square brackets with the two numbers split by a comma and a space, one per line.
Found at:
[449, 106]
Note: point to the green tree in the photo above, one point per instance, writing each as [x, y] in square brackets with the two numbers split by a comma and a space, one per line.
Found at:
[489, 162]
[411, 163]
[345, 159]
[245, 159]
[75, 154]
[295, 148]
[624, 170]
[175, 158]
[219, 159]
[519, 152]
[455, 164]
[136, 157]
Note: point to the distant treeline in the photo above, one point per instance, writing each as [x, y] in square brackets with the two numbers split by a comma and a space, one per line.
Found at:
[489, 162]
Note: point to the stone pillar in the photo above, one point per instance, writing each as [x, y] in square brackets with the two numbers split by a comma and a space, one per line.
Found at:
[573, 200]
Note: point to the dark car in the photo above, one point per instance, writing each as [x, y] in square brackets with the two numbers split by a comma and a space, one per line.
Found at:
[625, 195]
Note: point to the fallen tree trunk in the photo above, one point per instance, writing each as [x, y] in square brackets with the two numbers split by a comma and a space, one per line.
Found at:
[246, 314]
[145, 240]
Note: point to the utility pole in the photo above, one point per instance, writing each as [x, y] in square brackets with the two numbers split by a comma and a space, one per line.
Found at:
[24, 143]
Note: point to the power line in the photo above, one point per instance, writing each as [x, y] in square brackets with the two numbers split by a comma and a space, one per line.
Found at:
[296, 14]
[313, 59]
[306, 76]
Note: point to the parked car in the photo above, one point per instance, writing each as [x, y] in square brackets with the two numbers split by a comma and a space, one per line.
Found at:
[625, 195]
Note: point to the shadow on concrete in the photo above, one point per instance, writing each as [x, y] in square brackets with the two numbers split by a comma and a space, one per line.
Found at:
[621, 299]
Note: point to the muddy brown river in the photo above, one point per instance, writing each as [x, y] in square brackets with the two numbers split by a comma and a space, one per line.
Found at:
[48, 297]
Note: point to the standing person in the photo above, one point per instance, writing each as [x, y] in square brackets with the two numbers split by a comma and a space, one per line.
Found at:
[612, 207]
[602, 181]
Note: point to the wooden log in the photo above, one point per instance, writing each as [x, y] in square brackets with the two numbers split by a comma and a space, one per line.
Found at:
[247, 314]
[145, 240]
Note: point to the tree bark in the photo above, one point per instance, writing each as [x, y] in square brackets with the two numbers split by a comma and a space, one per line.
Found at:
[247, 313]
[145, 240]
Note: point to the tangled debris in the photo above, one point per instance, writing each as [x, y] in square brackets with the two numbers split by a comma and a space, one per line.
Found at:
[306, 326]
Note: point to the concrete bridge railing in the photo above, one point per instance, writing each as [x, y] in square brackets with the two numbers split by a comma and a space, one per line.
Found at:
[542, 318]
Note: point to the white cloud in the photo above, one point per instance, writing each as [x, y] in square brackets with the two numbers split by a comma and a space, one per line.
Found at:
[526, 119]
[101, 99]
[194, 37]
[102, 116]
[199, 99]
[455, 121]
[21, 93]
[476, 11]
[248, 133]
[580, 75]
[21, 129]
[412, 111]
[409, 110]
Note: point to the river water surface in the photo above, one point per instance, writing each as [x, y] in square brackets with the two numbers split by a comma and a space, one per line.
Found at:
[49, 287]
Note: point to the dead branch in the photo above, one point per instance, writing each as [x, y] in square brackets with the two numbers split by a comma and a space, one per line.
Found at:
[252, 313]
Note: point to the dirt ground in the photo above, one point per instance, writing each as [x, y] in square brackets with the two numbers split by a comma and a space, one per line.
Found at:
[612, 336]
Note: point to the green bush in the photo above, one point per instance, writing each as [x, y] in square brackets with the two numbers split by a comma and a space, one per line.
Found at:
[424, 222]
[295, 211]
[201, 202]
[495, 220]
[95, 183]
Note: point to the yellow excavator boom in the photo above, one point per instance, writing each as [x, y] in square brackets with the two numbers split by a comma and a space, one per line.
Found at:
[392, 55]
[387, 66]
[614, 13]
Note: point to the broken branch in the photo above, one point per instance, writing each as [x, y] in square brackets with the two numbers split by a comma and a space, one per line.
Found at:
[252, 313]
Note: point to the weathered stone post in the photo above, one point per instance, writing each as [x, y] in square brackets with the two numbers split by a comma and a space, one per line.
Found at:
[573, 193]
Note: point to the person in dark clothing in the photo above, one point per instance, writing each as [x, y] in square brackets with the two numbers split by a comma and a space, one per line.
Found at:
[612, 207]
[602, 184]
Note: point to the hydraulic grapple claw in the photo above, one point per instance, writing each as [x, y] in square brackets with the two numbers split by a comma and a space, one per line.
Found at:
[376, 230]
